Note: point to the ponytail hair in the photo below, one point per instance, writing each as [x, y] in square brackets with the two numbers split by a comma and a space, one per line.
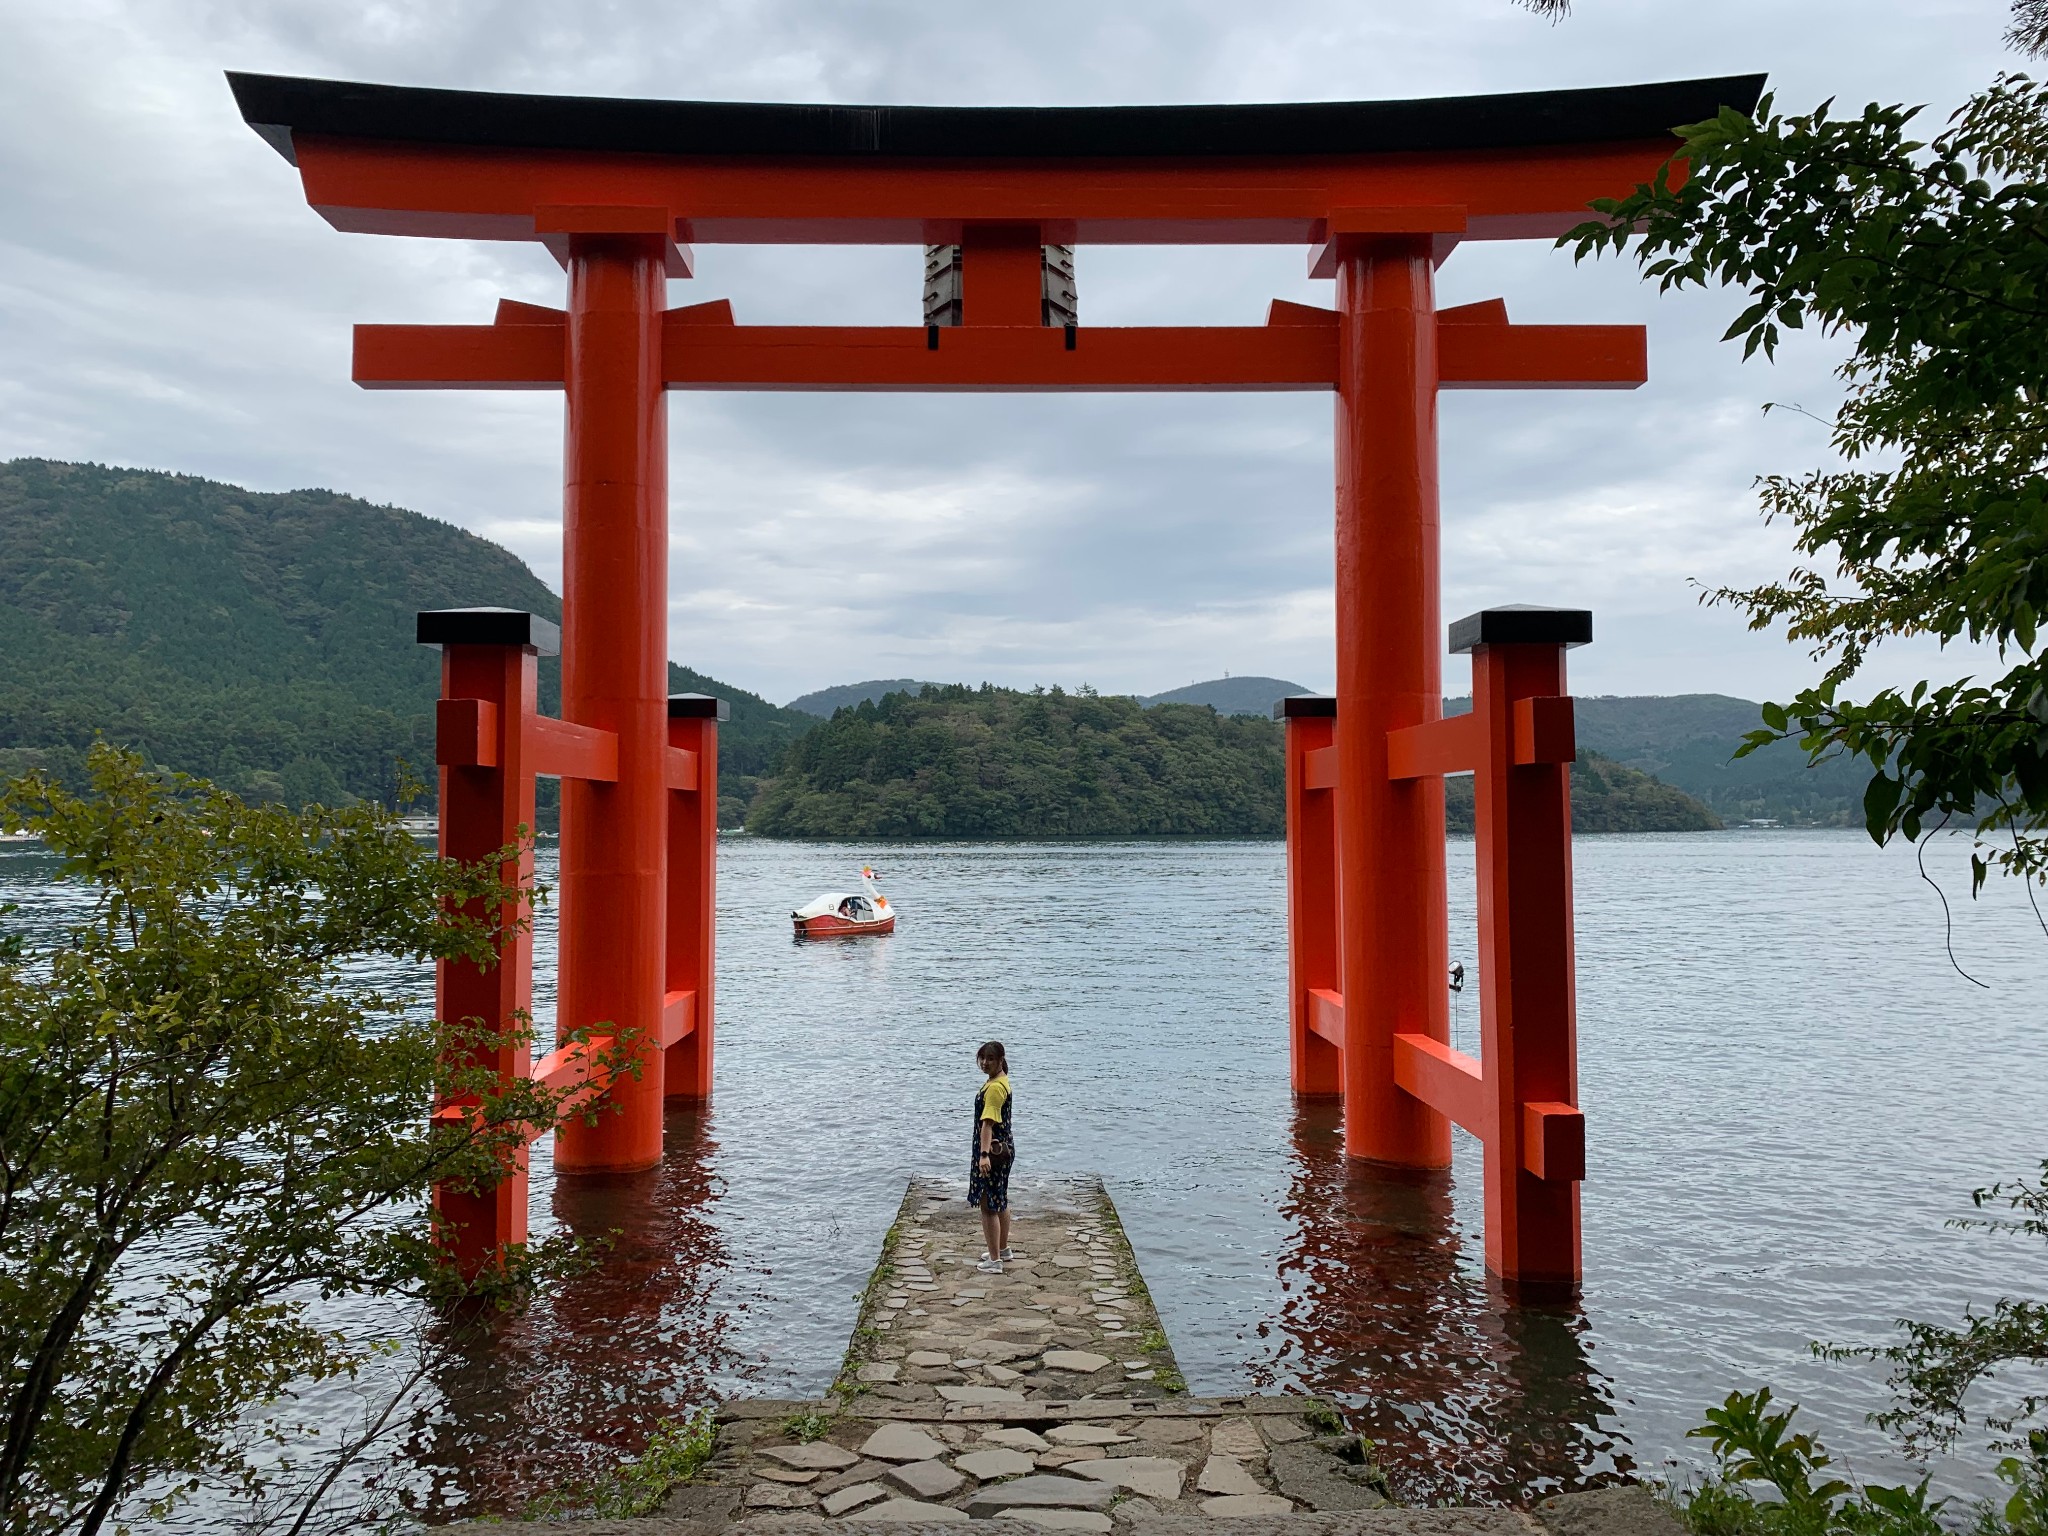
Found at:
[990, 1058]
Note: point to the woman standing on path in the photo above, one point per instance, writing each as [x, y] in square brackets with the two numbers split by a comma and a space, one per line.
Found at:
[988, 1178]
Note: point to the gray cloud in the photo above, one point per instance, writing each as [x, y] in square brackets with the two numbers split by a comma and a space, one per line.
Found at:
[168, 300]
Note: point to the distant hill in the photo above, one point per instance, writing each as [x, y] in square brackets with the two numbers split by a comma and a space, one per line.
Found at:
[262, 640]
[1688, 740]
[826, 700]
[955, 761]
[265, 640]
[993, 762]
[1225, 695]
[1231, 695]
[1606, 797]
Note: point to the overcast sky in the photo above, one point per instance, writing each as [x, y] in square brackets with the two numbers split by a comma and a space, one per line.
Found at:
[167, 300]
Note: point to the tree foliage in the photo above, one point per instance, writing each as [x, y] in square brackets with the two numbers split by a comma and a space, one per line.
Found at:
[212, 1120]
[1756, 1447]
[993, 762]
[263, 640]
[1606, 797]
[1772, 1480]
[1928, 257]
[2027, 32]
[1988, 1364]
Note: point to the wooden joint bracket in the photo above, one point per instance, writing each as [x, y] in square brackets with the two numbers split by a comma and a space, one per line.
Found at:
[1544, 731]
[1440, 223]
[558, 749]
[1448, 1081]
[554, 224]
[678, 1016]
[679, 769]
[1436, 747]
[1326, 1015]
[1319, 769]
[465, 733]
[1554, 1141]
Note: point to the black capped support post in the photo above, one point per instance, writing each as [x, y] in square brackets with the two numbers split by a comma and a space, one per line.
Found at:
[1306, 706]
[697, 706]
[488, 626]
[1522, 624]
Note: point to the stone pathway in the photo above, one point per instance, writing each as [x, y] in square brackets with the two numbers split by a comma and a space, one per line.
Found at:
[1047, 1394]
[1046, 1398]
[1069, 1317]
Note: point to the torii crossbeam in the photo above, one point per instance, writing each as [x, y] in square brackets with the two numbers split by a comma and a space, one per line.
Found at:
[1377, 193]
[701, 348]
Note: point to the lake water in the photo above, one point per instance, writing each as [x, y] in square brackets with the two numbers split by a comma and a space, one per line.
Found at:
[1789, 1092]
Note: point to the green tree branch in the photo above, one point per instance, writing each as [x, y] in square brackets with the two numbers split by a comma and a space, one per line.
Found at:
[210, 1121]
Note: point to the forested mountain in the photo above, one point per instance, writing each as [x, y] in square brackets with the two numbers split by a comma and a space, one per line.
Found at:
[263, 640]
[1689, 740]
[1232, 695]
[825, 701]
[993, 762]
[1606, 797]
[1225, 695]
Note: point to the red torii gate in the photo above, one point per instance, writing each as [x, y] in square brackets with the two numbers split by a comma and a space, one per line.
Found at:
[1379, 193]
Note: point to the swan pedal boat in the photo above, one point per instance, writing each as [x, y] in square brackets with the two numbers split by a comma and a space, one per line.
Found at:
[846, 914]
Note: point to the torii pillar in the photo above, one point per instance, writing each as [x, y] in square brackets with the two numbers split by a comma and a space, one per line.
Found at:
[615, 668]
[1390, 833]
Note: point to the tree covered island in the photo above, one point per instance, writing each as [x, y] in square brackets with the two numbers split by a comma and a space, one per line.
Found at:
[954, 761]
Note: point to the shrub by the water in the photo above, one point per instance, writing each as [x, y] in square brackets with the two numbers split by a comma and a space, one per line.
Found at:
[212, 1121]
[676, 1452]
[1772, 1480]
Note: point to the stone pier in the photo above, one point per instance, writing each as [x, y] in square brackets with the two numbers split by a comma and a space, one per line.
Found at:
[1047, 1398]
[1047, 1394]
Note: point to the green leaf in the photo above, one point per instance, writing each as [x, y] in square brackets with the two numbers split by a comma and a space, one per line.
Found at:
[1930, 261]
[202, 1045]
[1880, 800]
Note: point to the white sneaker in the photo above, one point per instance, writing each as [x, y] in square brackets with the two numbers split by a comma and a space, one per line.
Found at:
[1008, 1254]
[989, 1266]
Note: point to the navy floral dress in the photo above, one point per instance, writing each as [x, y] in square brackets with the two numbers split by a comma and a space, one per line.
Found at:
[991, 1190]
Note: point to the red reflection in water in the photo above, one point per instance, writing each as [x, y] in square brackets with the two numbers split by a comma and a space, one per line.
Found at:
[1466, 1393]
[579, 1381]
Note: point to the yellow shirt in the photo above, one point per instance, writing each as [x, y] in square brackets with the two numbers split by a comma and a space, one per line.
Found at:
[994, 1096]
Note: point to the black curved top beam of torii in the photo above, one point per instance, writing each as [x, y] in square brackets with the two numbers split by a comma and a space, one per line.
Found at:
[280, 107]
[1000, 182]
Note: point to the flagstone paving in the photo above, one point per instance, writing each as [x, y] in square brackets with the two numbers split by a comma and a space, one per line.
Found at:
[1047, 1394]
[1046, 1398]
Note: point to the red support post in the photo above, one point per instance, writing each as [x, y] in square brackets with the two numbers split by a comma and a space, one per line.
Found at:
[688, 1014]
[1002, 275]
[489, 690]
[615, 678]
[1390, 833]
[1315, 961]
[1535, 1155]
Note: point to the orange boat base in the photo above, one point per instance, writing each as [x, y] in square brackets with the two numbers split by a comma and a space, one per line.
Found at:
[830, 925]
